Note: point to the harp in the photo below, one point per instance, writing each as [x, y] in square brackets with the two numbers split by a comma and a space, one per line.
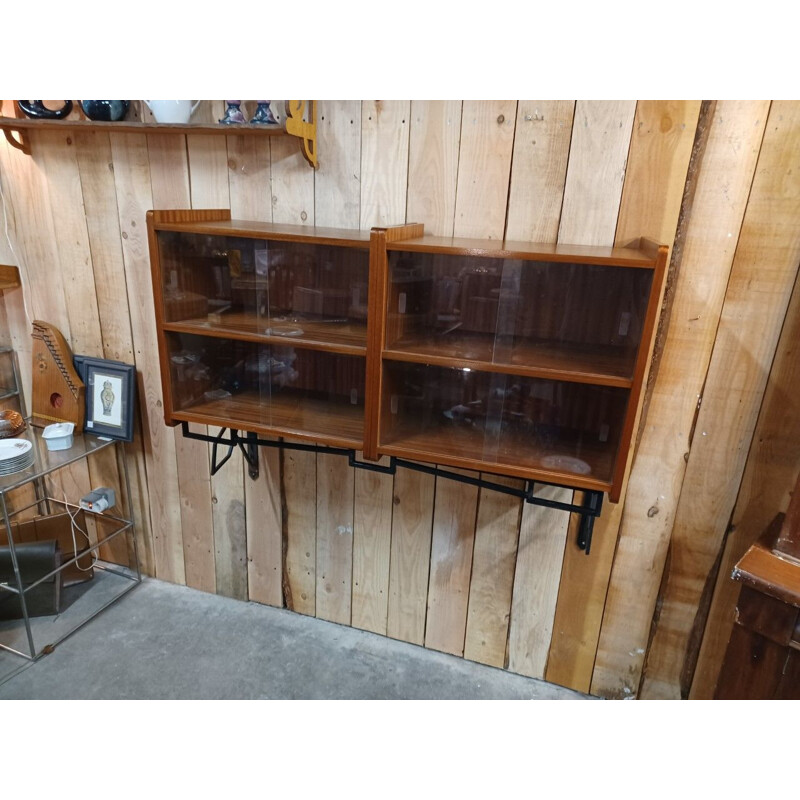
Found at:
[58, 391]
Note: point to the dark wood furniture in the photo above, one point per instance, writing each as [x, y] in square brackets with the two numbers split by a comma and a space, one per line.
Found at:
[762, 661]
[504, 357]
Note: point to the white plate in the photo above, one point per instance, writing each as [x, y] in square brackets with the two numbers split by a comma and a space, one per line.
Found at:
[13, 448]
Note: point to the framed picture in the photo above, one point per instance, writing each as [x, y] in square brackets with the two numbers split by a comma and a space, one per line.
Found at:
[110, 396]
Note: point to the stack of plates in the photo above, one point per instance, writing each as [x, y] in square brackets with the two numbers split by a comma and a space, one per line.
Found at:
[15, 455]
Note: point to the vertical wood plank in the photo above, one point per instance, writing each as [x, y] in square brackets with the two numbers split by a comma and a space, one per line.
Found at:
[769, 478]
[487, 140]
[208, 181]
[539, 170]
[335, 488]
[292, 182]
[535, 197]
[134, 198]
[433, 173]
[250, 198]
[601, 135]
[412, 522]
[292, 201]
[95, 164]
[762, 277]
[58, 157]
[337, 183]
[493, 561]
[542, 538]
[384, 161]
[451, 562]
[384, 170]
[483, 175]
[660, 149]
[434, 142]
[264, 531]
[372, 529]
[169, 175]
[299, 518]
[724, 177]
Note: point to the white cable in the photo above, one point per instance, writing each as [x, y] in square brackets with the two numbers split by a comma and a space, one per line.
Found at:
[73, 526]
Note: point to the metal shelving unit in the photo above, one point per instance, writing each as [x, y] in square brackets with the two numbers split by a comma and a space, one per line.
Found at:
[32, 637]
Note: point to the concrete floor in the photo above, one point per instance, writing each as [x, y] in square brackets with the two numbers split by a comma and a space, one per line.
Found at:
[162, 641]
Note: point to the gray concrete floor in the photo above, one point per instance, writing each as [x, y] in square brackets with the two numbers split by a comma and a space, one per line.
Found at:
[162, 641]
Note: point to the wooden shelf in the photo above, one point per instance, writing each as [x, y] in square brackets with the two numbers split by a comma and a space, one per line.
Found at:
[641, 253]
[465, 448]
[221, 225]
[347, 338]
[595, 364]
[295, 126]
[285, 414]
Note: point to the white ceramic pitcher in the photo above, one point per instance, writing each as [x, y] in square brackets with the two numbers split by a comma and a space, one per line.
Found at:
[179, 111]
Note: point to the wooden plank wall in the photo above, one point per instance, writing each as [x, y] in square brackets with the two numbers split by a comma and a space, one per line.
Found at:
[436, 563]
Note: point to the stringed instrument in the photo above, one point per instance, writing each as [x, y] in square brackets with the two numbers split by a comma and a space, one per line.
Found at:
[59, 394]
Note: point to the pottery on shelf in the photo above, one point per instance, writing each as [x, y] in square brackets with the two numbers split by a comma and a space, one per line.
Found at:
[36, 109]
[172, 111]
[105, 110]
[233, 113]
[263, 115]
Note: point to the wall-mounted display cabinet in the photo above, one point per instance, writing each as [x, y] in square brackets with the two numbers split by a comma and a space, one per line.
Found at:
[508, 358]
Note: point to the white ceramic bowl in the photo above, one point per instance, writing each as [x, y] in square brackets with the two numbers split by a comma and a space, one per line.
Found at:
[59, 436]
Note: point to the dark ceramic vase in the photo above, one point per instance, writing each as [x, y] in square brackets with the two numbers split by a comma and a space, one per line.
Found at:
[36, 109]
[105, 110]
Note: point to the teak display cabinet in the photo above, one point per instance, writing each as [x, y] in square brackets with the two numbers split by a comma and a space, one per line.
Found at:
[509, 358]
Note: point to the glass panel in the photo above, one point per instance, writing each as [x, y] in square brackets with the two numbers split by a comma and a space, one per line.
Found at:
[576, 317]
[571, 428]
[317, 293]
[252, 386]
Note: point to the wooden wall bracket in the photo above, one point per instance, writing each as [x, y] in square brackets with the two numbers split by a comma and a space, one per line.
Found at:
[296, 125]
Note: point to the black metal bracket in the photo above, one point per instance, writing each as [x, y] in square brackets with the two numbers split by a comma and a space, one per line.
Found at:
[588, 510]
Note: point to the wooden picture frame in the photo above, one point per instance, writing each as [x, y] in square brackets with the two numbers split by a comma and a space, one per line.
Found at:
[110, 397]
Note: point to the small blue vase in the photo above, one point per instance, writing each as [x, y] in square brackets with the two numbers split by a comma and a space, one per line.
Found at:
[105, 110]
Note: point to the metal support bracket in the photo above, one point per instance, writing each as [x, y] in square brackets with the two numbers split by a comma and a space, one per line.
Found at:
[588, 510]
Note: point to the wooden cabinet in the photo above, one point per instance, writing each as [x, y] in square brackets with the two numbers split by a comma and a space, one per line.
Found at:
[509, 358]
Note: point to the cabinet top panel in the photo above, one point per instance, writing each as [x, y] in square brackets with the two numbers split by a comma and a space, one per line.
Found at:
[643, 254]
[266, 230]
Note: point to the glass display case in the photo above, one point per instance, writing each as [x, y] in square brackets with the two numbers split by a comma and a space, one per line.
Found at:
[263, 328]
[511, 358]
[515, 358]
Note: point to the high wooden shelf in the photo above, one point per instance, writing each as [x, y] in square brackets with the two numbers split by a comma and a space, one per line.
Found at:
[296, 126]
[509, 358]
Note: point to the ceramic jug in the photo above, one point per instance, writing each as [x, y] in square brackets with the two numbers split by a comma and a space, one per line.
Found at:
[179, 111]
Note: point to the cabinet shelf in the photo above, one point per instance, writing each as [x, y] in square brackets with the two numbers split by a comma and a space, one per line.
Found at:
[290, 415]
[460, 447]
[596, 364]
[349, 337]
